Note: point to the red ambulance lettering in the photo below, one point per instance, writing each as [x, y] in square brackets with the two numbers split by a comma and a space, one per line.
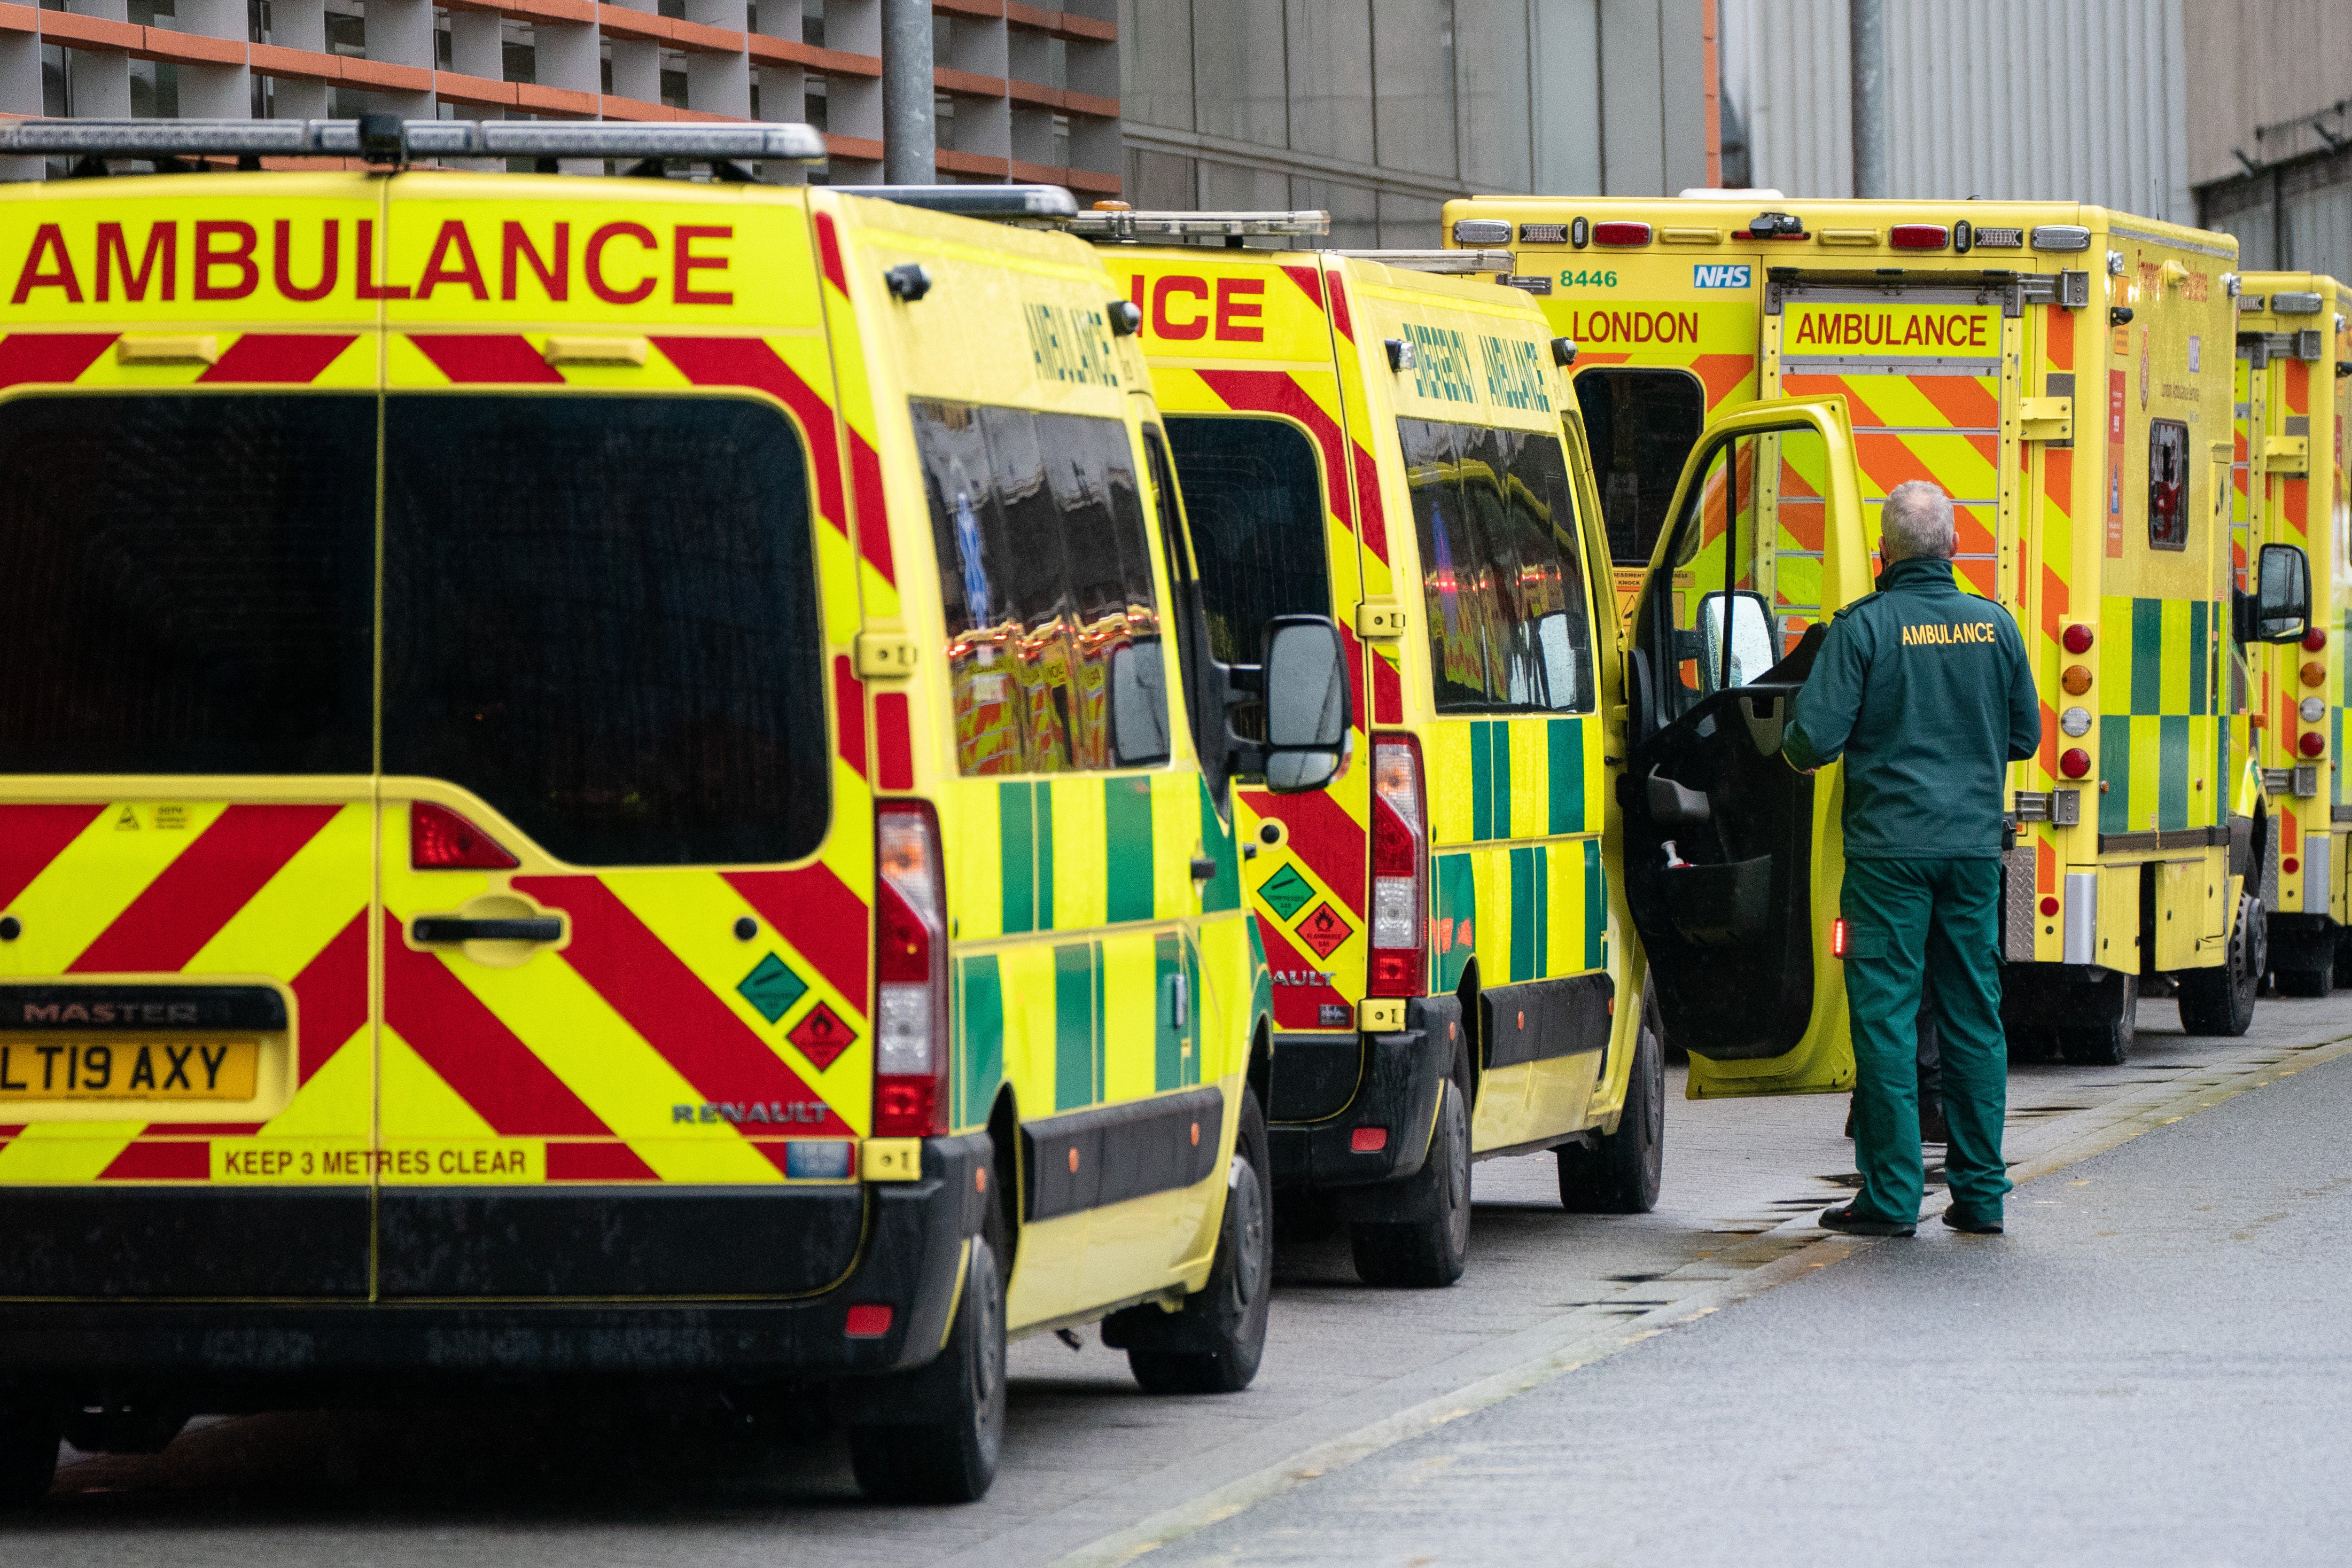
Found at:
[364, 282]
[1240, 299]
[158, 263]
[440, 267]
[554, 269]
[592, 261]
[281, 261]
[1185, 331]
[1633, 326]
[236, 257]
[682, 289]
[48, 240]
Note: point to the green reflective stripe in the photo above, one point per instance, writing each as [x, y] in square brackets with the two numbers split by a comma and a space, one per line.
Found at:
[1499, 745]
[2172, 776]
[1564, 743]
[1596, 906]
[1166, 1038]
[1458, 910]
[1127, 848]
[1222, 890]
[1541, 856]
[1482, 775]
[1016, 848]
[2148, 655]
[980, 1014]
[1077, 1082]
[2200, 674]
[1523, 914]
[1044, 796]
[2114, 773]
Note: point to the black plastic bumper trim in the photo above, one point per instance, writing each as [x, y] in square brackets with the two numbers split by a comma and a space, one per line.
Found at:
[1402, 1075]
[1109, 1154]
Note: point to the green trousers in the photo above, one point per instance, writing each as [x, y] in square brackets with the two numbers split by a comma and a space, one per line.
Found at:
[1904, 918]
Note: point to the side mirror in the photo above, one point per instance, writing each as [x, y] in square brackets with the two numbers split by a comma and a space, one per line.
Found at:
[1743, 620]
[2279, 609]
[1138, 704]
[1308, 702]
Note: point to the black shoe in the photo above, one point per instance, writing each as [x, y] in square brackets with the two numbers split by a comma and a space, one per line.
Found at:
[1844, 1220]
[1967, 1227]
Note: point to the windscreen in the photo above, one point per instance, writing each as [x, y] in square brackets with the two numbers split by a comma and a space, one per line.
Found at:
[1254, 502]
[186, 583]
[600, 616]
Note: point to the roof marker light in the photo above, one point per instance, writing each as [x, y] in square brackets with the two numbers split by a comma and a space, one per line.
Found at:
[1918, 237]
[1620, 232]
[388, 138]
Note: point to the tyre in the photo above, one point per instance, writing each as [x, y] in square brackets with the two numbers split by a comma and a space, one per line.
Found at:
[2106, 1044]
[2305, 982]
[28, 1455]
[2343, 971]
[1431, 1250]
[949, 1455]
[2220, 1001]
[1621, 1174]
[1214, 1344]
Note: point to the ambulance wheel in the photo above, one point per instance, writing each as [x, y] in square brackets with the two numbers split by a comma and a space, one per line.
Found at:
[1620, 1175]
[952, 1457]
[1225, 1318]
[1431, 1251]
[28, 1455]
[2104, 1044]
[2220, 1001]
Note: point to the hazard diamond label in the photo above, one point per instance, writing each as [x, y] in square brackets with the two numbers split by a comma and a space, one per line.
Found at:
[772, 988]
[1285, 891]
[1324, 930]
[822, 1036]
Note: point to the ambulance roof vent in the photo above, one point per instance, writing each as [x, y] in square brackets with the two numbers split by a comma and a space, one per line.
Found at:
[382, 138]
[1446, 261]
[1198, 228]
[1009, 203]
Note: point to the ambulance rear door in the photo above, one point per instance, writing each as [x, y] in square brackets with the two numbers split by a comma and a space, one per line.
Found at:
[1732, 859]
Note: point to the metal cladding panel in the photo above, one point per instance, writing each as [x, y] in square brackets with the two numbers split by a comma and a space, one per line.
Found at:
[2006, 100]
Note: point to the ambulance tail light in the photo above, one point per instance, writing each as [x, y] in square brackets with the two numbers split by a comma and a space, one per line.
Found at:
[910, 972]
[2076, 763]
[1837, 938]
[1918, 237]
[1400, 961]
[440, 839]
[2313, 744]
[1621, 232]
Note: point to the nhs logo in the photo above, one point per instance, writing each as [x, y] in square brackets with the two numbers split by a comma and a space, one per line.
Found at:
[1719, 275]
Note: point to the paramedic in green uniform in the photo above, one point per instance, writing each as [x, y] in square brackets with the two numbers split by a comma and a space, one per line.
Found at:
[1925, 692]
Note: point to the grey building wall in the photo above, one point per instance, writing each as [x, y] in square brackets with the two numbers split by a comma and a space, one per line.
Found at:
[2029, 100]
[1379, 110]
[2270, 133]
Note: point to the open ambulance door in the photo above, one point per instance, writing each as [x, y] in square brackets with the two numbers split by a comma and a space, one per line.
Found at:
[1732, 858]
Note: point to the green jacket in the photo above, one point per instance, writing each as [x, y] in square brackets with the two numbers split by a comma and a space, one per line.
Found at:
[1927, 694]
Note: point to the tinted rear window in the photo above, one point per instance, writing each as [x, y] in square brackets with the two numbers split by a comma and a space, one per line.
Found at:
[186, 583]
[601, 617]
[1253, 498]
[1641, 425]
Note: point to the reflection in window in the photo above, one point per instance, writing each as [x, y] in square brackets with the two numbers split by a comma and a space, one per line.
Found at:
[1253, 497]
[2167, 485]
[1046, 571]
[1641, 425]
[1502, 583]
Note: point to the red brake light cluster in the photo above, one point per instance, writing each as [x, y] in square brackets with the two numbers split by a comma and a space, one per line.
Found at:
[911, 973]
[2313, 744]
[1919, 236]
[1837, 938]
[440, 839]
[2076, 763]
[2078, 638]
[1399, 958]
[1621, 232]
[2314, 640]
[2048, 905]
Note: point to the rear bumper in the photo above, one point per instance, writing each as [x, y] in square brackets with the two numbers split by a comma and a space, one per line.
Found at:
[908, 1257]
[1397, 1091]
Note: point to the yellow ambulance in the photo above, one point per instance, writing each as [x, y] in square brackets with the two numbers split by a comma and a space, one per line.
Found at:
[1454, 975]
[2288, 468]
[2056, 369]
[605, 779]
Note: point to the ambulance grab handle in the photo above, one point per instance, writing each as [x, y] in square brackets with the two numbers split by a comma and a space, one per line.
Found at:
[433, 928]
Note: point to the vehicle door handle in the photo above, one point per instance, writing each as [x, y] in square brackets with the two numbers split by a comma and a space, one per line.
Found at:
[435, 928]
[1204, 868]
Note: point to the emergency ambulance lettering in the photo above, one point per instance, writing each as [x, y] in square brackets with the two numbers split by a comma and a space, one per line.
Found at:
[282, 262]
[1069, 346]
[1189, 328]
[554, 271]
[1938, 633]
[363, 265]
[158, 263]
[437, 269]
[682, 289]
[47, 240]
[1240, 299]
[238, 259]
[1441, 364]
[1514, 374]
[1881, 330]
[592, 262]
